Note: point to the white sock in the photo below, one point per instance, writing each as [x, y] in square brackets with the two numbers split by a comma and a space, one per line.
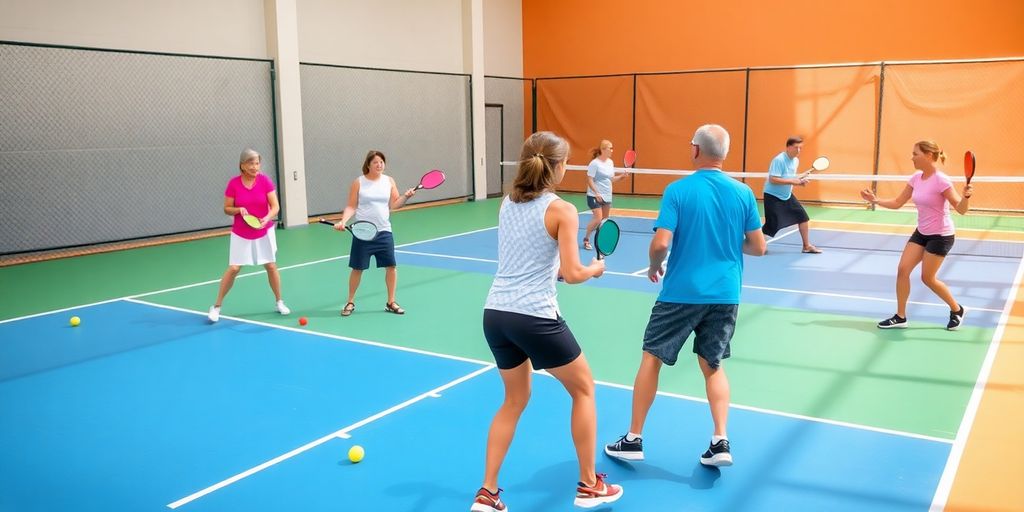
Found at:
[633, 437]
[716, 439]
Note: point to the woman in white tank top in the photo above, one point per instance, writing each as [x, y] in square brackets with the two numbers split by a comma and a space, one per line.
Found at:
[371, 198]
[537, 241]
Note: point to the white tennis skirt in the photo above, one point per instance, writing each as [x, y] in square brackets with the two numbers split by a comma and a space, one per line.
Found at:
[253, 252]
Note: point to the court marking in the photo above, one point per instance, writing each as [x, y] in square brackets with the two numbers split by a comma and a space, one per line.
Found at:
[748, 286]
[343, 433]
[643, 272]
[958, 443]
[974, 403]
[436, 392]
[542, 372]
[213, 281]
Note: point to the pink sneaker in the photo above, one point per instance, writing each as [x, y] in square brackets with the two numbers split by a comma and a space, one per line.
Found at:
[487, 502]
[602, 492]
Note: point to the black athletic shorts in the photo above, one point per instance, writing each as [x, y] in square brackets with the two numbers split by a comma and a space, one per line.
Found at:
[939, 245]
[514, 338]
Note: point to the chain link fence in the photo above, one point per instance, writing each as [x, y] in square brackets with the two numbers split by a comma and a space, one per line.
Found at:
[99, 146]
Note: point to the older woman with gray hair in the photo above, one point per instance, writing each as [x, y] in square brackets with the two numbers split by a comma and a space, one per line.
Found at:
[251, 193]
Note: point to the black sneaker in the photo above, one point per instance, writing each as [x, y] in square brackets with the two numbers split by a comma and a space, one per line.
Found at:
[955, 319]
[717, 454]
[894, 322]
[626, 450]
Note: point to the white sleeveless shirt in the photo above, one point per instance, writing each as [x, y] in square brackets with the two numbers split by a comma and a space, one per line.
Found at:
[527, 260]
[374, 200]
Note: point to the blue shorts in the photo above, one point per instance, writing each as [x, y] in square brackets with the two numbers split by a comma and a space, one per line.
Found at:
[594, 204]
[382, 246]
[671, 324]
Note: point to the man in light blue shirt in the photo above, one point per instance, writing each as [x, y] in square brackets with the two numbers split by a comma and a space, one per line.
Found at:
[710, 220]
[781, 207]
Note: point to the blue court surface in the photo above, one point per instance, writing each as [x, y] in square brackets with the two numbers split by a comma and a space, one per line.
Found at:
[846, 280]
[180, 406]
[148, 408]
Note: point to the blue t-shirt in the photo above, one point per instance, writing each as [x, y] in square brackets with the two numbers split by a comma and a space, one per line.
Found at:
[784, 167]
[709, 215]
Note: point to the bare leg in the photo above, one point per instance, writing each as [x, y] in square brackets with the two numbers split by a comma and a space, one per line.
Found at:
[645, 388]
[226, 281]
[594, 221]
[391, 281]
[503, 427]
[353, 284]
[275, 279]
[716, 385]
[912, 255]
[805, 235]
[579, 382]
[932, 263]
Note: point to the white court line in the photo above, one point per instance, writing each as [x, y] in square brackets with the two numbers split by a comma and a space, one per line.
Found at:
[960, 443]
[485, 260]
[82, 306]
[542, 372]
[748, 286]
[861, 297]
[643, 272]
[129, 298]
[259, 272]
[435, 393]
[790, 415]
[343, 433]
[313, 333]
[306, 264]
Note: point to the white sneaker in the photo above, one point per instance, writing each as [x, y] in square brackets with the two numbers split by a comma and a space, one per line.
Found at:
[281, 308]
[214, 314]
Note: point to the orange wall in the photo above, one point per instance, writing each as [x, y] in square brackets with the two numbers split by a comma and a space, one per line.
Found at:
[586, 37]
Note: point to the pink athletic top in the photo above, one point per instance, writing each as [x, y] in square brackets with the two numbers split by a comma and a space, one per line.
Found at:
[932, 208]
[254, 200]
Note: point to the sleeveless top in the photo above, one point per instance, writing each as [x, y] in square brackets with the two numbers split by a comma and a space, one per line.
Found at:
[527, 260]
[374, 197]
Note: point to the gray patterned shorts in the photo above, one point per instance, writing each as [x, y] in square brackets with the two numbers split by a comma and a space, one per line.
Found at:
[671, 324]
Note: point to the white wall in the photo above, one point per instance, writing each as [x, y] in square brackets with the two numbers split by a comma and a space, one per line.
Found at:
[424, 35]
[503, 38]
[232, 28]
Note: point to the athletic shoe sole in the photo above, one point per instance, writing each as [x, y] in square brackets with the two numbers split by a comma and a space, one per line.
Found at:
[895, 326]
[634, 456]
[596, 502]
[717, 460]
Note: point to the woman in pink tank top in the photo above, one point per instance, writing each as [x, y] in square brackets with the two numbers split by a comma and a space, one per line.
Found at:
[933, 193]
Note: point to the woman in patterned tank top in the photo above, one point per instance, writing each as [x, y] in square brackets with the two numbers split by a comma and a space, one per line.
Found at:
[536, 241]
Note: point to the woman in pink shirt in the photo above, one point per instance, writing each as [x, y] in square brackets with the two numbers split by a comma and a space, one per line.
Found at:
[250, 193]
[933, 193]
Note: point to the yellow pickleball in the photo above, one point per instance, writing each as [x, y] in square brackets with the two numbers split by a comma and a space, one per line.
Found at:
[75, 321]
[356, 454]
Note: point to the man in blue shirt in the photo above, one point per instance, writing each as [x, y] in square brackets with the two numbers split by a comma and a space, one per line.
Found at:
[781, 208]
[710, 220]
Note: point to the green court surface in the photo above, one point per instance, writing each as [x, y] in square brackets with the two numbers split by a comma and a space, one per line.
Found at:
[792, 361]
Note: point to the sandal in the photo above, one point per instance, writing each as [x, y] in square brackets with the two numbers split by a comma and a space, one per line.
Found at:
[393, 307]
[586, 244]
[348, 309]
